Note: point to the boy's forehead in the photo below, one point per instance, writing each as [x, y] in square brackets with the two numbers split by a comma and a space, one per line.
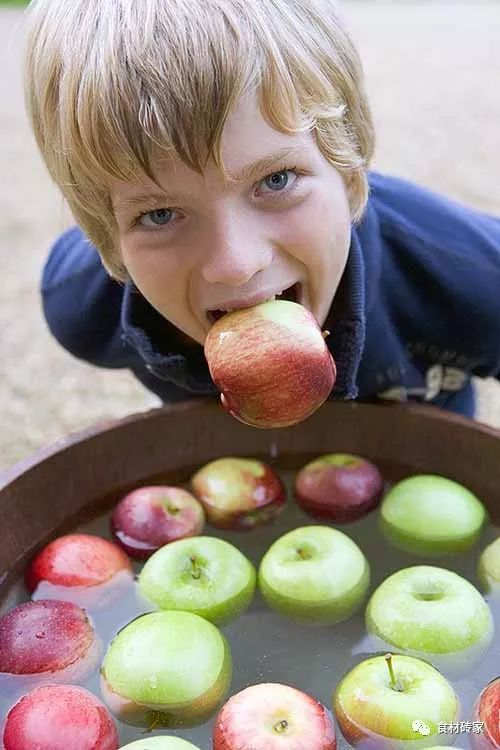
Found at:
[249, 146]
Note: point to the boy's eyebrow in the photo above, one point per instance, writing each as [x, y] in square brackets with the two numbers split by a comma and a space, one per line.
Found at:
[256, 169]
[266, 162]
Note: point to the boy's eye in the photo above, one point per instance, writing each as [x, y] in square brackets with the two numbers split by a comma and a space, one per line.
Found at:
[159, 217]
[278, 180]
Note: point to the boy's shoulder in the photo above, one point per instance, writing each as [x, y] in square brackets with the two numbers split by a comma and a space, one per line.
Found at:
[418, 218]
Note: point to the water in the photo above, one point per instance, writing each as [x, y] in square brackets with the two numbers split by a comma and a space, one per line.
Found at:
[268, 648]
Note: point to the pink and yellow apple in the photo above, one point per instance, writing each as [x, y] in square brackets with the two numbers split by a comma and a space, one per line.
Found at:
[239, 493]
[273, 717]
[150, 517]
[271, 363]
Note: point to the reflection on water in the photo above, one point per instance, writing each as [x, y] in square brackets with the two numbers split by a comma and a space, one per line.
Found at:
[268, 648]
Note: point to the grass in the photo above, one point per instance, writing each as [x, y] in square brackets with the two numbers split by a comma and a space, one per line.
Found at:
[11, 3]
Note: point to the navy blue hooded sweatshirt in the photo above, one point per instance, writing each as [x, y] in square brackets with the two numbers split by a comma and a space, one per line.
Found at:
[417, 311]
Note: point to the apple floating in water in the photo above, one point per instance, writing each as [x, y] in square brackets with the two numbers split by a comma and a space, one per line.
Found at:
[488, 568]
[204, 575]
[487, 710]
[239, 493]
[150, 517]
[314, 574]
[82, 568]
[271, 363]
[59, 717]
[160, 743]
[339, 487]
[166, 669]
[273, 717]
[432, 613]
[47, 638]
[430, 515]
[379, 702]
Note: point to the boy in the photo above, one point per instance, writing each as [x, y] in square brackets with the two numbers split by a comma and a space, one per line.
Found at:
[214, 154]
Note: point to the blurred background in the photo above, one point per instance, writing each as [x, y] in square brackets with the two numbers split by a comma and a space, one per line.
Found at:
[433, 75]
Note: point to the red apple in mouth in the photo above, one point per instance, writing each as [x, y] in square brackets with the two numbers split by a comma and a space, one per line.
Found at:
[239, 493]
[271, 363]
[273, 717]
[150, 517]
[487, 712]
[339, 487]
[59, 717]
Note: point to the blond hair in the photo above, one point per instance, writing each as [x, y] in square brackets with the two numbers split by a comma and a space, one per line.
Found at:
[110, 81]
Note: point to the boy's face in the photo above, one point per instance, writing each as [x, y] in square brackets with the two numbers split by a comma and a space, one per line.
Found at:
[206, 246]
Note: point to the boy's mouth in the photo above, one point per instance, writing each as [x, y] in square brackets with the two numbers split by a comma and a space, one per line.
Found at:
[292, 294]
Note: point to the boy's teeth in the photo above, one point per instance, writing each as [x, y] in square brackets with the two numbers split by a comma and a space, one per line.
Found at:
[281, 295]
[270, 299]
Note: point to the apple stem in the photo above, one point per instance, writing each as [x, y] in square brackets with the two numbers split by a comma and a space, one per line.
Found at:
[196, 572]
[325, 333]
[303, 554]
[394, 684]
[157, 721]
[281, 726]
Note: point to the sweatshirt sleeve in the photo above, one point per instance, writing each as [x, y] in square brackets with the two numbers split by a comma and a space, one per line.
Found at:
[82, 303]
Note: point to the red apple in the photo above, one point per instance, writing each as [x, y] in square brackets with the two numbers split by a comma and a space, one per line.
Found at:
[42, 637]
[150, 517]
[487, 711]
[59, 717]
[339, 487]
[271, 363]
[239, 493]
[77, 560]
[273, 717]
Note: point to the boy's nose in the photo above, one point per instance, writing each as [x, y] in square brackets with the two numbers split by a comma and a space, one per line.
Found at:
[233, 258]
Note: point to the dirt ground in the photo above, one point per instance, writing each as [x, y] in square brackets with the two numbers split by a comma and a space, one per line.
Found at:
[432, 70]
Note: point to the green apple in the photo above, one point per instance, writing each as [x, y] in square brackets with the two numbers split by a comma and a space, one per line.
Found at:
[433, 613]
[314, 574]
[430, 515]
[160, 743]
[204, 575]
[166, 669]
[488, 568]
[384, 700]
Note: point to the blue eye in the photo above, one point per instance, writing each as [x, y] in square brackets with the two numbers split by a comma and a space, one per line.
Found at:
[278, 180]
[157, 218]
